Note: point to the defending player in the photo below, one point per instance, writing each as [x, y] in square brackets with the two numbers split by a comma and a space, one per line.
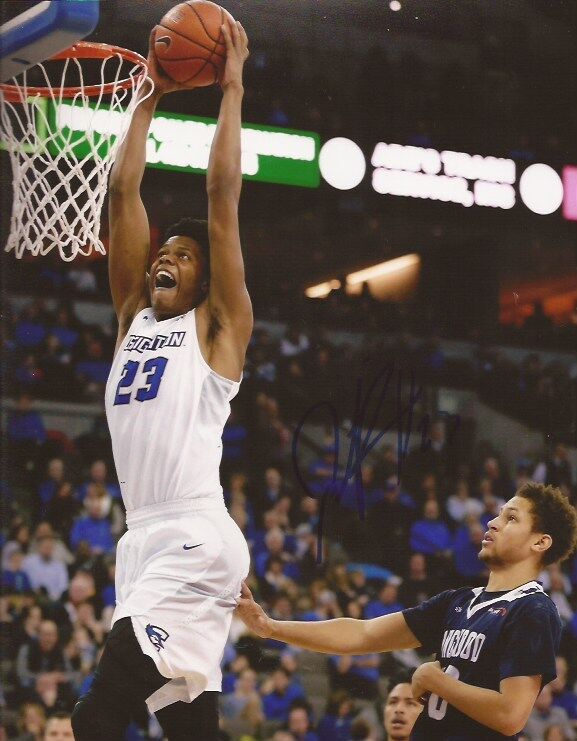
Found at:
[183, 333]
[495, 646]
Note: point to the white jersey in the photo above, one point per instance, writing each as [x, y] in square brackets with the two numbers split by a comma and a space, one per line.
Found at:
[166, 410]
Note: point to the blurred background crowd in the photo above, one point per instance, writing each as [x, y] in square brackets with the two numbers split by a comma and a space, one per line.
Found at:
[481, 347]
[415, 531]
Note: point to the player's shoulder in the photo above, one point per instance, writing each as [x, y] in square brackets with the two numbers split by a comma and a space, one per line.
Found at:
[533, 602]
[462, 594]
[536, 600]
[451, 597]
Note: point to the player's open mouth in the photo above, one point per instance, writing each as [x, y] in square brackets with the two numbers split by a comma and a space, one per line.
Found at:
[397, 724]
[487, 538]
[163, 280]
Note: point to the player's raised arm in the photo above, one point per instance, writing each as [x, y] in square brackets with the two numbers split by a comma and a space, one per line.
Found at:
[338, 636]
[228, 298]
[129, 231]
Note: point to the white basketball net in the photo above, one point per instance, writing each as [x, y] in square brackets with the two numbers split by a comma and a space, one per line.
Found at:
[60, 172]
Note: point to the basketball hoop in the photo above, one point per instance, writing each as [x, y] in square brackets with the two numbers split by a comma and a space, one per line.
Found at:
[62, 139]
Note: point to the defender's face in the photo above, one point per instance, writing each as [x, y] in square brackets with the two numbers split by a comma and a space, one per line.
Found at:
[510, 538]
[177, 282]
[401, 712]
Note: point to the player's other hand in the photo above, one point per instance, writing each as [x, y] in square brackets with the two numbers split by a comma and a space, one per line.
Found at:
[162, 82]
[422, 682]
[252, 614]
[236, 54]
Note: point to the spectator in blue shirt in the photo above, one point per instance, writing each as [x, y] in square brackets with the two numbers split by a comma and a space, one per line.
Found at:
[30, 330]
[336, 724]
[279, 692]
[98, 475]
[108, 594]
[275, 546]
[26, 425]
[431, 535]
[234, 437]
[64, 327]
[94, 368]
[468, 542]
[321, 469]
[45, 570]
[93, 528]
[359, 675]
[29, 374]
[387, 602]
[299, 723]
[371, 493]
[14, 579]
[54, 477]
[271, 491]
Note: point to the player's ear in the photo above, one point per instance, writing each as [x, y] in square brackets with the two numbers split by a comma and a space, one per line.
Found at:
[543, 544]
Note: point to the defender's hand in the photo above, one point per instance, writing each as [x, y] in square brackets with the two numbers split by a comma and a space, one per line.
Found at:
[236, 54]
[252, 614]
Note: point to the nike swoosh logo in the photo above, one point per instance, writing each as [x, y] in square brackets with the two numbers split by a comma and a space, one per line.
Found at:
[188, 547]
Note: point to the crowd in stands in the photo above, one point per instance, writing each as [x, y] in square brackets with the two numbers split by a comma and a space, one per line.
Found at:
[53, 355]
[401, 542]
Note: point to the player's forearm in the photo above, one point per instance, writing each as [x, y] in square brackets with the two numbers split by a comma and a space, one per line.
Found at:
[130, 162]
[488, 707]
[224, 171]
[338, 636]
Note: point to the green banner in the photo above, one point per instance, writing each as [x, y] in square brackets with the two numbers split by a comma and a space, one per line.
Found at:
[179, 142]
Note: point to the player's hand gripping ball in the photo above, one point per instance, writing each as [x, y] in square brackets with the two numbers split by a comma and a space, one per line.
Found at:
[189, 44]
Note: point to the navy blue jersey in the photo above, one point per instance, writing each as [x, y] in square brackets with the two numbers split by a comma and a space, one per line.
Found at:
[481, 638]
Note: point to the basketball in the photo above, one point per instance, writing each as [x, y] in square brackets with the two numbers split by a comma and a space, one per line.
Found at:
[189, 43]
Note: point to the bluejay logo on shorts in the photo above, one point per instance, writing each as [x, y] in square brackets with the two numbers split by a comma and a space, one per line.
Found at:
[157, 636]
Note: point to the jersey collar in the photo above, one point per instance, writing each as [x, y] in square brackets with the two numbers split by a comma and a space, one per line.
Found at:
[521, 591]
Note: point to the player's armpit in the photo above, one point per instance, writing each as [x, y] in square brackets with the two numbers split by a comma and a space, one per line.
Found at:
[388, 633]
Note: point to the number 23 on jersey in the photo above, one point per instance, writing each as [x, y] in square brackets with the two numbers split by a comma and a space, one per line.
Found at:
[153, 370]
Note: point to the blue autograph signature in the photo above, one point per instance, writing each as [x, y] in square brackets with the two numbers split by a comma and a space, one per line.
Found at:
[361, 446]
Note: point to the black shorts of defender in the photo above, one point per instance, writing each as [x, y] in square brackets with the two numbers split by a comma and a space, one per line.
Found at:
[124, 678]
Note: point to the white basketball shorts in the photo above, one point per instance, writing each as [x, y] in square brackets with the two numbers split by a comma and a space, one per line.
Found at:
[179, 570]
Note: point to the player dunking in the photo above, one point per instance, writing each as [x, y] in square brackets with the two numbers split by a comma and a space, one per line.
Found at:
[183, 334]
[495, 646]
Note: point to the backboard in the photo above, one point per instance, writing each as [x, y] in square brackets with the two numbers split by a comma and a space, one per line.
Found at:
[42, 30]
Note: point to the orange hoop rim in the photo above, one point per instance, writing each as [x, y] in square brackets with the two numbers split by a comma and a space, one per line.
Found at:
[81, 50]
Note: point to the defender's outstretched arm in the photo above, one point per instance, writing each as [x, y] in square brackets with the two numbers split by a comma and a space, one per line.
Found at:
[338, 636]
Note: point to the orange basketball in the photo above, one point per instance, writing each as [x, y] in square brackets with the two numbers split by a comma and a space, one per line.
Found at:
[189, 43]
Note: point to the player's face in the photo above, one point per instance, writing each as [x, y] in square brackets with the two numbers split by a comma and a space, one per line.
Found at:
[59, 729]
[177, 281]
[401, 712]
[510, 538]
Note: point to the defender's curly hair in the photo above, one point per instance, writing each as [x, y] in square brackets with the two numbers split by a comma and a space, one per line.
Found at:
[554, 515]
